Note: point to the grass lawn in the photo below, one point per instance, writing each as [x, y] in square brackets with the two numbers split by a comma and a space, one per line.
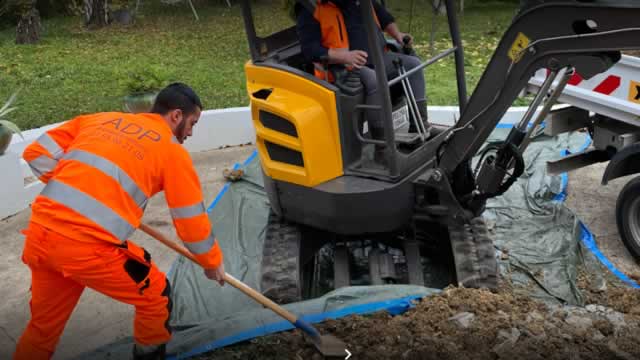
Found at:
[73, 71]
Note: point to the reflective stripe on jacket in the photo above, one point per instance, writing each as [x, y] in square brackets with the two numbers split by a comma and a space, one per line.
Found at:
[101, 170]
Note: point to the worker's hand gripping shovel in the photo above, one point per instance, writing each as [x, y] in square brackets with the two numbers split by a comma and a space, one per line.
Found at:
[327, 345]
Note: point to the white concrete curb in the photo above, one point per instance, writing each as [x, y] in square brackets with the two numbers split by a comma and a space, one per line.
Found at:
[216, 129]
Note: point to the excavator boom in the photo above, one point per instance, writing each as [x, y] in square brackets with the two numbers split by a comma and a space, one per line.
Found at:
[586, 36]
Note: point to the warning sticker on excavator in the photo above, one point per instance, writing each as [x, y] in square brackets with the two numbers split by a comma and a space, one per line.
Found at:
[634, 92]
[516, 51]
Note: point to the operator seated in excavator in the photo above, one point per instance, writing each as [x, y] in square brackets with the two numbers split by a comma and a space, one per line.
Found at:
[334, 39]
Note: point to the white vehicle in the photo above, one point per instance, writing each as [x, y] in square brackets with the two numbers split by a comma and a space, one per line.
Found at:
[608, 106]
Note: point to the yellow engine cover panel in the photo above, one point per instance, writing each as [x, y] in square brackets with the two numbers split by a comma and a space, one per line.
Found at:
[311, 109]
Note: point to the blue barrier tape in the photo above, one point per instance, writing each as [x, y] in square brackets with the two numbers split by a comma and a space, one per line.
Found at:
[225, 188]
[250, 158]
[504, 126]
[509, 126]
[586, 236]
[590, 243]
[562, 196]
[222, 192]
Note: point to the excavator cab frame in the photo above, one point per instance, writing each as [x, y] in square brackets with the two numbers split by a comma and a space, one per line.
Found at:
[282, 50]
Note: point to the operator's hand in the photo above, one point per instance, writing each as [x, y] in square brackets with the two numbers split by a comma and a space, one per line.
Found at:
[355, 58]
[216, 274]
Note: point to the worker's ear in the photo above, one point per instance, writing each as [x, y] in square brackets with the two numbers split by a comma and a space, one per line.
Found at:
[175, 116]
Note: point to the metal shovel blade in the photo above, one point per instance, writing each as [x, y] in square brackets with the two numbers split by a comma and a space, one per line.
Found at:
[330, 346]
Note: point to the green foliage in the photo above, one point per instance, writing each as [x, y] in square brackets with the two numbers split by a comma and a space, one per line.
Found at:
[5, 7]
[288, 6]
[73, 71]
[147, 80]
[12, 9]
[74, 7]
[5, 110]
[119, 4]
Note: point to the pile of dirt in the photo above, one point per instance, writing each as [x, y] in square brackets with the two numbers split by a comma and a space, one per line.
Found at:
[617, 297]
[467, 323]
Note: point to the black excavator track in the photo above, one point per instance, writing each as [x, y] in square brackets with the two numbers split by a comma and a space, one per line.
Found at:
[281, 269]
[474, 255]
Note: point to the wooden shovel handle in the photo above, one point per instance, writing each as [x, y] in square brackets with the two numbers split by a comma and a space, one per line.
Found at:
[228, 278]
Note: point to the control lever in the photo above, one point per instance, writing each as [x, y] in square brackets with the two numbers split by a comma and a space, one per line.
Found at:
[414, 112]
[348, 81]
[407, 49]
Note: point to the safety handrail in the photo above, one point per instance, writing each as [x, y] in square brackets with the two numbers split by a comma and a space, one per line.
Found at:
[355, 124]
[434, 59]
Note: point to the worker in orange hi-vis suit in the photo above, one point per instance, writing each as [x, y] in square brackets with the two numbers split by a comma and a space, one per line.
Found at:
[100, 171]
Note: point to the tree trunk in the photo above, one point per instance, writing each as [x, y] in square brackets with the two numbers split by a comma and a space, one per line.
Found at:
[29, 25]
[96, 13]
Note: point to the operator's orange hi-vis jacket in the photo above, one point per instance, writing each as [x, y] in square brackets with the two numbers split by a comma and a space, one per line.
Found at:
[334, 31]
[97, 191]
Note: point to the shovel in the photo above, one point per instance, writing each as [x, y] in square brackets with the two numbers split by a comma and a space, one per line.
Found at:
[327, 345]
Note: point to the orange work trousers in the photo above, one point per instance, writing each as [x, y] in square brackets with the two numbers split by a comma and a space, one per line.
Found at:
[60, 270]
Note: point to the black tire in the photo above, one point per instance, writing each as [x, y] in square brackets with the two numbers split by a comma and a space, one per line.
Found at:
[281, 273]
[474, 255]
[628, 216]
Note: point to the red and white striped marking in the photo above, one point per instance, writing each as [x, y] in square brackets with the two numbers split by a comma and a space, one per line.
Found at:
[614, 93]
[607, 86]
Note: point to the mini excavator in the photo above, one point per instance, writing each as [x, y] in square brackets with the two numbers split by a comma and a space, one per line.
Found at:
[418, 217]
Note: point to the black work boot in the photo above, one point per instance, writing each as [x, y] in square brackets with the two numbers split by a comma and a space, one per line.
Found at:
[151, 352]
[422, 108]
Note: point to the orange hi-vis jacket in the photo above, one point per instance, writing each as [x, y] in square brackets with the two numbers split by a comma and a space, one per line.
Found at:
[101, 170]
[334, 31]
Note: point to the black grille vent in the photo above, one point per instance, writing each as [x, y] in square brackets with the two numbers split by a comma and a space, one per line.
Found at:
[276, 123]
[284, 155]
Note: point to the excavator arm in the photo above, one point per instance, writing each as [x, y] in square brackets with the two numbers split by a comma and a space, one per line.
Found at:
[582, 36]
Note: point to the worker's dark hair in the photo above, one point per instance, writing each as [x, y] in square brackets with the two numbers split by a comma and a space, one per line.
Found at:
[176, 96]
